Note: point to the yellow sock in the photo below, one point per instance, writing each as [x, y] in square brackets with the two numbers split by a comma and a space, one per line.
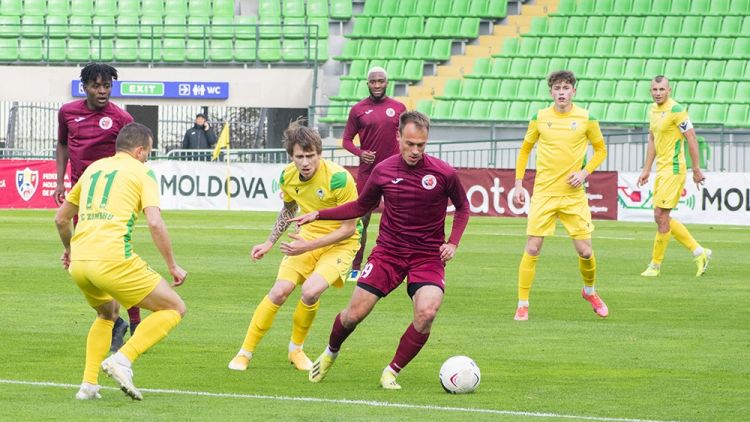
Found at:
[150, 331]
[681, 233]
[260, 324]
[97, 346]
[526, 272]
[661, 241]
[588, 270]
[302, 320]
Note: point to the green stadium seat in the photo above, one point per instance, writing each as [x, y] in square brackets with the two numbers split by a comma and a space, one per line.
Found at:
[350, 50]
[490, 89]
[425, 106]
[538, 67]
[566, 7]
[10, 26]
[508, 89]
[557, 26]
[126, 50]
[674, 68]
[414, 27]
[8, 49]
[644, 47]
[734, 69]
[294, 28]
[624, 47]
[246, 27]
[683, 47]
[125, 8]
[723, 48]
[341, 9]
[697, 7]
[149, 50]
[633, 26]
[269, 50]
[407, 8]
[270, 27]
[461, 110]
[603, 7]
[705, 91]
[293, 8]
[245, 50]
[396, 26]
[58, 7]
[35, 7]
[102, 50]
[684, 90]
[196, 50]
[152, 8]
[414, 70]
[703, 48]
[586, 7]
[622, 7]
[643, 90]
[691, 26]
[634, 68]
[605, 90]
[499, 110]
[510, 46]
[663, 47]
[518, 111]
[482, 67]
[404, 49]
[714, 69]
[358, 69]
[32, 26]
[538, 25]
[730, 25]
[478, 8]
[654, 26]
[178, 8]
[625, 91]
[30, 49]
[174, 27]
[480, 110]
[737, 115]
[128, 26]
[743, 87]
[294, 50]
[200, 8]
[389, 7]
[698, 112]
[741, 48]
[578, 65]
[595, 25]
[11, 7]
[585, 90]
[672, 25]
[80, 27]
[542, 90]
[615, 68]
[361, 27]
[224, 8]
[173, 49]
[717, 113]
[637, 113]
[680, 7]
[740, 7]
[104, 27]
[371, 8]
[395, 69]
[346, 90]
[433, 28]
[441, 109]
[598, 110]
[725, 92]
[268, 8]
[153, 26]
[368, 49]
[79, 50]
[577, 24]
[54, 49]
[710, 26]
[222, 28]
[527, 89]
[519, 67]
[500, 67]
[336, 112]
[528, 47]
[595, 67]
[605, 47]
[441, 8]
[322, 25]
[469, 28]
[694, 69]
[470, 89]
[614, 25]
[198, 27]
[378, 27]
[441, 50]
[566, 46]
[585, 47]
[460, 8]
[105, 7]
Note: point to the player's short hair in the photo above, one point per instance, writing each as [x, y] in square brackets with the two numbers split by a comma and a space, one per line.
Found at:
[92, 71]
[659, 78]
[420, 120]
[377, 69]
[133, 135]
[299, 134]
[561, 76]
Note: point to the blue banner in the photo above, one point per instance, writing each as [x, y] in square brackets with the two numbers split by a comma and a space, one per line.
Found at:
[144, 89]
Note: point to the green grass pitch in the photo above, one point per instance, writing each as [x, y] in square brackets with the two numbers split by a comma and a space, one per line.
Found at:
[674, 348]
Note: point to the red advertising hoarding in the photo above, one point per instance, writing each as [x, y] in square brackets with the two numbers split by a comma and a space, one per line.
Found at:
[28, 183]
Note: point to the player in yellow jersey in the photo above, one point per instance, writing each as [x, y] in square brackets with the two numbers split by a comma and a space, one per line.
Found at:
[562, 134]
[100, 258]
[669, 127]
[319, 256]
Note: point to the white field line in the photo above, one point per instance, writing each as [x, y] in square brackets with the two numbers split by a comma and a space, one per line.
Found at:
[368, 403]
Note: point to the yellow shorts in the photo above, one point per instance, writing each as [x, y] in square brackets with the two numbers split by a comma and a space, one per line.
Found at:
[573, 212]
[667, 190]
[128, 282]
[332, 262]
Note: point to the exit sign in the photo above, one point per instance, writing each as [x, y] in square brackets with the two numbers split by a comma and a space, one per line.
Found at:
[159, 89]
[150, 89]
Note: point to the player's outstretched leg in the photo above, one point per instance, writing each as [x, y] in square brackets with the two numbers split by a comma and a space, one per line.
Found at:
[701, 261]
[321, 365]
[259, 325]
[120, 371]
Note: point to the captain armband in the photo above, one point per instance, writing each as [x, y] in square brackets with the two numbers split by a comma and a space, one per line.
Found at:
[685, 125]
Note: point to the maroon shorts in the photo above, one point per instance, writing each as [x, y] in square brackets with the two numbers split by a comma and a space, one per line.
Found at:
[385, 271]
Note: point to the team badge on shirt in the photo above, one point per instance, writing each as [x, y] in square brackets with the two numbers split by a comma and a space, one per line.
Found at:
[27, 181]
[573, 125]
[390, 112]
[429, 182]
[319, 192]
[105, 122]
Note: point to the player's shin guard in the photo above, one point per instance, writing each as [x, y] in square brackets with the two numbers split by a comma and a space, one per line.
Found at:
[260, 324]
[661, 241]
[339, 333]
[526, 273]
[681, 233]
[302, 320]
[411, 343]
[97, 346]
[587, 267]
[151, 331]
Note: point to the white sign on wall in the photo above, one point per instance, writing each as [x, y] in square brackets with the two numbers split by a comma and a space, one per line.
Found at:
[190, 185]
[723, 199]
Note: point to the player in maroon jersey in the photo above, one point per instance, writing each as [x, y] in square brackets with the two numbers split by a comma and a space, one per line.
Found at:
[375, 121]
[411, 242]
[86, 132]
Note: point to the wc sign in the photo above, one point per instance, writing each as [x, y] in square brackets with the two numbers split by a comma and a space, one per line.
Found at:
[162, 89]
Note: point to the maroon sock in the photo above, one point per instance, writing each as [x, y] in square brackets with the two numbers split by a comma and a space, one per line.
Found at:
[134, 314]
[411, 343]
[339, 333]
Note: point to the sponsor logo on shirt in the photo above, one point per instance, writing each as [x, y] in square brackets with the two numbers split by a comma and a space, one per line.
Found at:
[105, 122]
[396, 180]
[429, 182]
[368, 111]
[390, 112]
[78, 119]
[27, 181]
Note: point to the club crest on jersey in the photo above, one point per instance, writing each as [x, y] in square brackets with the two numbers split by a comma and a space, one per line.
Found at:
[105, 122]
[27, 181]
[573, 125]
[390, 112]
[429, 182]
[549, 125]
[319, 192]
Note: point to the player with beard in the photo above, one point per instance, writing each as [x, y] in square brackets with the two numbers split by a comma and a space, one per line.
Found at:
[375, 121]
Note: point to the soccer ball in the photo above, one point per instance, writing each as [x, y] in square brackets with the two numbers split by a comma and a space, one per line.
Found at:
[460, 374]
